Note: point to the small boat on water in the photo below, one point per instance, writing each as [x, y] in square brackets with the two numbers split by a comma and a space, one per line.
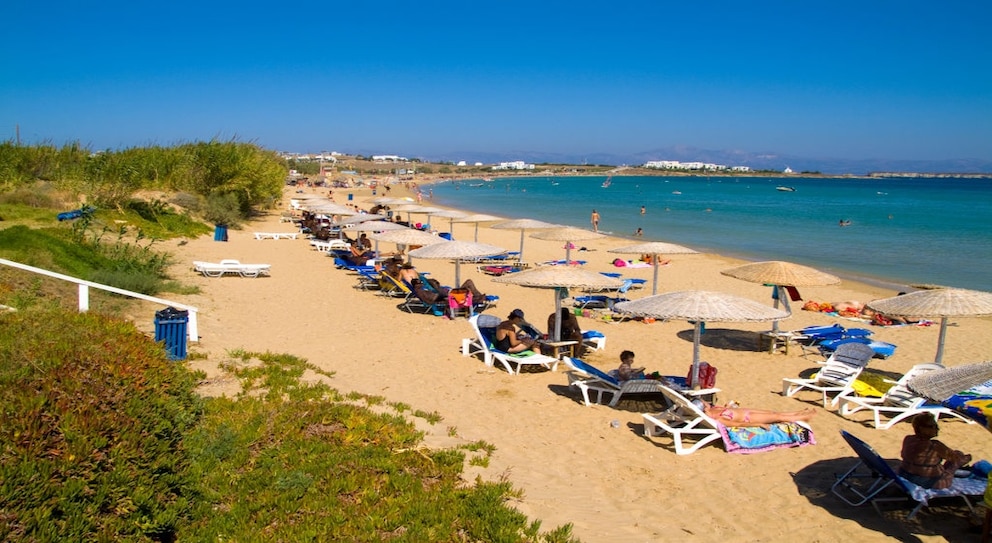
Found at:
[475, 184]
[676, 192]
[784, 188]
[609, 181]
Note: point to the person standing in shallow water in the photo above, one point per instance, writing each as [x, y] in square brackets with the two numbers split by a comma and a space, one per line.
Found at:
[594, 219]
[643, 210]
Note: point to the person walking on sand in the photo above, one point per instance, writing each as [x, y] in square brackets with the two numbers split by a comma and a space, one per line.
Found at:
[594, 219]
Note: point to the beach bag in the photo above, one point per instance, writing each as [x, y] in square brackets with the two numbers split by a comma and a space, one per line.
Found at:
[707, 375]
[619, 262]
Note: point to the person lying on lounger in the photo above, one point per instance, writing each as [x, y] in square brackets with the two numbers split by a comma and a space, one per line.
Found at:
[732, 415]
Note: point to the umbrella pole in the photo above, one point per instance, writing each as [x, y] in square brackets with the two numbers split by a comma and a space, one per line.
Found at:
[694, 382]
[778, 296]
[654, 283]
[520, 257]
[568, 252]
[477, 232]
[458, 280]
[940, 342]
[557, 330]
[451, 227]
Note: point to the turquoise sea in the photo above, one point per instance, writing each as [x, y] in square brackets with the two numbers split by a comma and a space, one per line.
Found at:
[902, 230]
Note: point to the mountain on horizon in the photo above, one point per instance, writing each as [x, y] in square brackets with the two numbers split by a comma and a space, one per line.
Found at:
[729, 158]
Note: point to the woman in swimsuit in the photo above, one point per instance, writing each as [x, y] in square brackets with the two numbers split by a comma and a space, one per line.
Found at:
[741, 416]
[926, 461]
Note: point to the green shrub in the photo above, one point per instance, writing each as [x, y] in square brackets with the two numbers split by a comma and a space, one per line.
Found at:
[91, 431]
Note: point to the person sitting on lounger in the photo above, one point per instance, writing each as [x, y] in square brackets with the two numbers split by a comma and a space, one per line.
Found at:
[626, 371]
[732, 415]
[570, 331]
[926, 461]
[510, 338]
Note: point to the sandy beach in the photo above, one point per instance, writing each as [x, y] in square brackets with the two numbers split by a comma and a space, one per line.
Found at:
[611, 483]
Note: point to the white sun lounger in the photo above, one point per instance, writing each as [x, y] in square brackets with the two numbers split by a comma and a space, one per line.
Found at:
[329, 245]
[210, 269]
[276, 235]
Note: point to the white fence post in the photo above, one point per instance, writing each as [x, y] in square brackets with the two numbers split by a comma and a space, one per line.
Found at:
[192, 331]
[84, 298]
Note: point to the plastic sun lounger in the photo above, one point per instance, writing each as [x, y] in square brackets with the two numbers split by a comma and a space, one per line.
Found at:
[230, 266]
[872, 474]
[276, 235]
[483, 344]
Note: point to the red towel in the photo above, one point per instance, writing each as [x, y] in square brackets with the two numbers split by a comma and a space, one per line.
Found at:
[794, 294]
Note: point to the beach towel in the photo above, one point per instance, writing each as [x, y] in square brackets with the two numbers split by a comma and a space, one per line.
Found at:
[750, 440]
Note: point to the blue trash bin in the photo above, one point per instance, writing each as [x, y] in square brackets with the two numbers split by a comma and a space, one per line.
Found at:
[351, 196]
[170, 327]
[220, 232]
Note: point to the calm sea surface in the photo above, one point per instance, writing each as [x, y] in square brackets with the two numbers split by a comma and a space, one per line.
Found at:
[902, 231]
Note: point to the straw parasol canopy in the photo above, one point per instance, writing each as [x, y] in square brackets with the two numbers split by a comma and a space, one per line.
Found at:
[408, 236]
[781, 274]
[522, 225]
[655, 249]
[941, 384]
[361, 217]
[559, 278]
[451, 215]
[477, 218]
[332, 209]
[376, 226]
[965, 389]
[568, 235]
[940, 303]
[785, 274]
[456, 250]
[700, 306]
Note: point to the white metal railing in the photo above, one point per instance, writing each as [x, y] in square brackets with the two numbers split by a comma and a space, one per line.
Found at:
[84, 294]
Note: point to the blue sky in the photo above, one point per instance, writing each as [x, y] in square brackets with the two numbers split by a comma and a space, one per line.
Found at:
[852, 80]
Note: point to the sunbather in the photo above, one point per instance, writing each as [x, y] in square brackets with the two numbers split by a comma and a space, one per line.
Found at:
[732, 415]
[438, 292]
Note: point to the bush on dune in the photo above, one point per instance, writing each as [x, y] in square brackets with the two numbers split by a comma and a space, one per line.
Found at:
[92, 423]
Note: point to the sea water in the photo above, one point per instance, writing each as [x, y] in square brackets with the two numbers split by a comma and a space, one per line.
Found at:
[902, 231]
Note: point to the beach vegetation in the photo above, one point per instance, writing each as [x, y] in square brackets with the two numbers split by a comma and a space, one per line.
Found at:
[104, 438]
[251, 175]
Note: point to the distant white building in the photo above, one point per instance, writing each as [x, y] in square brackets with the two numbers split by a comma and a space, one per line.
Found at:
[515, 165]
[740, 169]
[686, 166]
[461, 163]
[788, 170]
[388, 158]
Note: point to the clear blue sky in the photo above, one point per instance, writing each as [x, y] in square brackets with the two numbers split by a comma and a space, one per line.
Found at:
[867, 79]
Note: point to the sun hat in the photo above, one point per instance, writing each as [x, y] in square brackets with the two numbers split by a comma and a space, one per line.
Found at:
[516, 313]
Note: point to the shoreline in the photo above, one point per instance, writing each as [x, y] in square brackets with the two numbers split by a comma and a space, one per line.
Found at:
[548, 444]
[874, 282]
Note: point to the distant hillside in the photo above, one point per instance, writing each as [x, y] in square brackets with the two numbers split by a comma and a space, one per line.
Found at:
[756, 161]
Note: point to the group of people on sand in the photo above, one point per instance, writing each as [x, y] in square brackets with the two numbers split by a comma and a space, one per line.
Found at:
[516, 335]
[858, 310]
[427, 289]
